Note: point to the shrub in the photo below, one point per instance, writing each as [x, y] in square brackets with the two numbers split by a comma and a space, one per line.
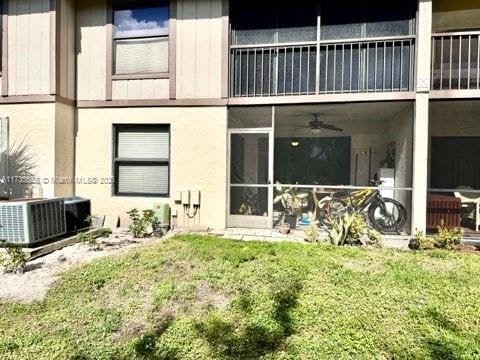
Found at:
[14, 260]
[346, 229]
[448, 238]
[357, 228]
[375, 238]
[140, 223]
[421, 242]
[311, 233]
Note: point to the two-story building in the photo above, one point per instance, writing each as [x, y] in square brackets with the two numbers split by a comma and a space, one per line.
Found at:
[137, 101]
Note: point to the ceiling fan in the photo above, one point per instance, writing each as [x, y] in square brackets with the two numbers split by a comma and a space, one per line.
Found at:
[317, 124]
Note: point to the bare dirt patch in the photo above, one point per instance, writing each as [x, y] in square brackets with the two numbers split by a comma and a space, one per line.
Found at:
[42, 273]
[209, 296]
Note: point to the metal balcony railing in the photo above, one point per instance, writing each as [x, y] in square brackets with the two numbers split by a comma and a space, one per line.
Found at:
[326, 67]
[456, 61]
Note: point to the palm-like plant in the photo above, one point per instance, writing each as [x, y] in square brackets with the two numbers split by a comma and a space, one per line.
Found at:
[290, 197]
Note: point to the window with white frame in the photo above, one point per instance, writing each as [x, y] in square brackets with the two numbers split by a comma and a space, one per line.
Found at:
[141, 37]
[142, 160]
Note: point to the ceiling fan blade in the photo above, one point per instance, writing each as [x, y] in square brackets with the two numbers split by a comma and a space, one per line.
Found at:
[330, 127]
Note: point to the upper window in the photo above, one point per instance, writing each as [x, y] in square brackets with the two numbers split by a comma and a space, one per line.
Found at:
[140, 37]
[284, 21]
[273, 21]
[142, 160]
[350, 19]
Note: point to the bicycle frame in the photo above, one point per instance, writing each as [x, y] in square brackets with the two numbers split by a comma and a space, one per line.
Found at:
[362, 199]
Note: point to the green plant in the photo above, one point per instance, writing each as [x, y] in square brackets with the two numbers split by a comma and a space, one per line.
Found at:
[14, 260]
[103, 233]
[140, 223]
[346, 229]
[421, 242]
[90, 238]
[375, 238]
[89, 219]
[448, 238]
[290, 198]
[339, 229]
[357, 227]
[311, 233]
[243, 209]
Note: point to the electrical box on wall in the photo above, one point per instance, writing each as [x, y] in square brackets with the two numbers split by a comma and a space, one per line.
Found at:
[186, 198]
[177, 197]
[195, 198]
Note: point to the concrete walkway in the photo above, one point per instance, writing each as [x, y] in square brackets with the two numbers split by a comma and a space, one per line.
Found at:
[390, 241]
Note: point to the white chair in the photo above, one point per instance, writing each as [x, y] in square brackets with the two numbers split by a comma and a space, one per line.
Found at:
[469, 198]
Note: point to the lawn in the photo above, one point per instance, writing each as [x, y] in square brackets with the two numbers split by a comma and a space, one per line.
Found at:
[206, 298]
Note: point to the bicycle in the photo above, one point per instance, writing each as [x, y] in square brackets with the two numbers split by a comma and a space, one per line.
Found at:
[384, 214]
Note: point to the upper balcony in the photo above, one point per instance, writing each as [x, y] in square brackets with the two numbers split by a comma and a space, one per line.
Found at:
[455, 69]
[456, 64]
[284, 50]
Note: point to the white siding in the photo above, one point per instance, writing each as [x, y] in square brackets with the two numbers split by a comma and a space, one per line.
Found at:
[199, 48]
[91, 49]
[140, 89]
[29, 47]
[67, 49]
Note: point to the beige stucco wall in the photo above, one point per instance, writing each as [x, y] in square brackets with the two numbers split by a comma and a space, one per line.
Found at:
[32, 145]
[198, 158]
[41, 143]
[64, 149]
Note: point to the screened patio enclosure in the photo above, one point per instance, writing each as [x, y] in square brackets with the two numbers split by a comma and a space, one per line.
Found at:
[286, 162]
[454, 164]
[282, 48]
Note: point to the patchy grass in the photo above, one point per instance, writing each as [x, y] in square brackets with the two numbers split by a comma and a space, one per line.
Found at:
[203, 298]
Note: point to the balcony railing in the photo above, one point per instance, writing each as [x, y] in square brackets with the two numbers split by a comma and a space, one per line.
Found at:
[456, 61]
[326, 67]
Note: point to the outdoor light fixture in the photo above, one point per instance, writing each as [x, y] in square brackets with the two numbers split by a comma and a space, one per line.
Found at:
[295, 143]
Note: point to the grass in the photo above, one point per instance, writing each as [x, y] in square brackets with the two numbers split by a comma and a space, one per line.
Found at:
[202, 298]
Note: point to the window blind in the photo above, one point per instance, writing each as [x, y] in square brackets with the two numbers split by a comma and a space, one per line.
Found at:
[143, 145]
[134, 56]
[142, 160]
[143, 179]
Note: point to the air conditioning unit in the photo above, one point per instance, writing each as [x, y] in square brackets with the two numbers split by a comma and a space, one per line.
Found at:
[77, 213]
[27, 223]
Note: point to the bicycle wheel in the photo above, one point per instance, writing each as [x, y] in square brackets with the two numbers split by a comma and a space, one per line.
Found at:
[387, 215]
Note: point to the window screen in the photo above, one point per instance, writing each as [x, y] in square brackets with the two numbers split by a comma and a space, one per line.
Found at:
[351, 19]
[273, 21]
[141, 38]
[142, 159]
[285, 21]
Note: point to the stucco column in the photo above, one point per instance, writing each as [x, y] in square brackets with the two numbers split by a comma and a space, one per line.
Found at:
[421, 115]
